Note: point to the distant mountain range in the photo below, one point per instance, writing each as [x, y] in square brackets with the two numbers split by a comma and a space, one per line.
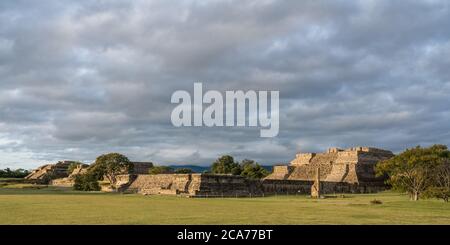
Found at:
[201, 169]
[194, 168]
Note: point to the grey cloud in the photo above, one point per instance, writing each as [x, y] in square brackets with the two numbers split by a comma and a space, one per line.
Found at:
[80, 78]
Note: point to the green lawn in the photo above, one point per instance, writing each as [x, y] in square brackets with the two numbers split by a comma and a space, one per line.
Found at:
[51, 205]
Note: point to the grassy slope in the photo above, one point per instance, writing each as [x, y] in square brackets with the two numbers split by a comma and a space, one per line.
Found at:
[62, 206]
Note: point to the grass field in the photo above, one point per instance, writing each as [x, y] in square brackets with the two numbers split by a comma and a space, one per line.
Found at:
[41, 205]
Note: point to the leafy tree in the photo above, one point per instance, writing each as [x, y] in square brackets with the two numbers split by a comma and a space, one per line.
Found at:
[161, 170]
[414, 170]
[441, 183]
[225, 165]
[252, 170]
[18, 173]
[236, 170]
[110, 165]
[86, 182]
[183, 171]
[247, 168]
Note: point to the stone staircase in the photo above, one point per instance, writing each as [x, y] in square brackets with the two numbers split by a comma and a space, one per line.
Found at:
[308, 171]
[338, 173]
[280, 172]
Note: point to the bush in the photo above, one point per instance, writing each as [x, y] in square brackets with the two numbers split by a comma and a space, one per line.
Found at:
[86, 182]
[438, 192]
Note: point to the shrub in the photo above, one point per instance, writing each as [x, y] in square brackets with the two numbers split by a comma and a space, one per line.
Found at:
[86, 182]
[438, 192]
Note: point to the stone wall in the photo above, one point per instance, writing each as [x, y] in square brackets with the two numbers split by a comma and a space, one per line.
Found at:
[210, 185]
[290, 187]
[157, 184]
[193, 185]
[62, 182]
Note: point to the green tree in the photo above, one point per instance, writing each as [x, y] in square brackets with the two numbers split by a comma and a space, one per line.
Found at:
[110, 165]
[161, 170]
[252, 170]
[414, 170]
[183, 171]
[441, 182]
[225, 165]
[18, 173]
[86, 182]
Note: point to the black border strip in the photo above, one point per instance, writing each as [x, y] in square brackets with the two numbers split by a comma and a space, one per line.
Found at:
[169, 233]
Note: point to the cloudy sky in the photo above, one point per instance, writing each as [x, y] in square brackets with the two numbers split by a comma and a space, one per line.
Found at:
[82, 78]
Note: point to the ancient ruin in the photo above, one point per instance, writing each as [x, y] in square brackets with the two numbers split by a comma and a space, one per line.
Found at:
[334, 171]
[190, 185]
[350, 170]
[57, 174]
[352, 165]
[44, 174]
[69, 180]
